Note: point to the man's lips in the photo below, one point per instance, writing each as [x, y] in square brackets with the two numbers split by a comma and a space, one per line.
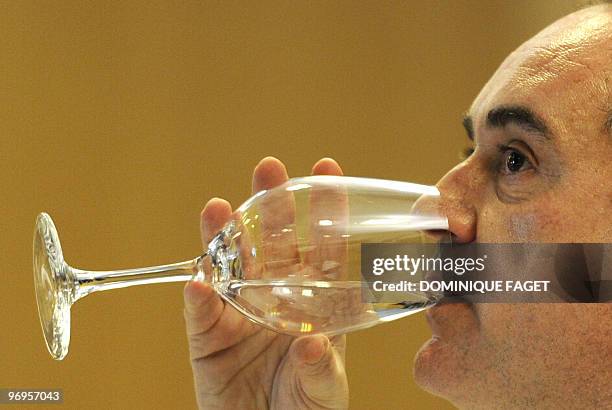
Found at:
[449, 319]
[433, 324]
[432, 275]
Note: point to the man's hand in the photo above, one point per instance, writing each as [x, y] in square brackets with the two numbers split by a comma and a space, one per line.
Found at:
[240, 365]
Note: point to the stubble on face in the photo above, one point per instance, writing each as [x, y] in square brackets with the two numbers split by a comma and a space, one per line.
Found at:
[508, 356]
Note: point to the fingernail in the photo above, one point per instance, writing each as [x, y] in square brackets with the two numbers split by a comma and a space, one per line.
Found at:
[315, 349]
[192, 297]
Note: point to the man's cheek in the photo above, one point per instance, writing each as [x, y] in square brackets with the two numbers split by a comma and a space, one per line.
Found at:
[540, 221]
[522, 226]
[543, 224]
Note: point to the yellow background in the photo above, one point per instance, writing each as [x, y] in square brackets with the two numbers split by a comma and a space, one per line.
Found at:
[121, 119]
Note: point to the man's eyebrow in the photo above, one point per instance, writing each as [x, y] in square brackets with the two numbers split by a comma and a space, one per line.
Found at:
[522, 116]
[468, 124]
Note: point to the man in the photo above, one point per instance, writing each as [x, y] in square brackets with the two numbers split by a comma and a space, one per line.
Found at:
[541, 171]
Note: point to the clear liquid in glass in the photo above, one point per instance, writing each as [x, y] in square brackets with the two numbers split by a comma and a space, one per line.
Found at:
[327, 307]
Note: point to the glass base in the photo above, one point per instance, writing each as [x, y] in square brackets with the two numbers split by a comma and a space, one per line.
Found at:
[54, 284]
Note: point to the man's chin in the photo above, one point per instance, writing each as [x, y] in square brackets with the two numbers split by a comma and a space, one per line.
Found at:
[431, 366]
[440, 364]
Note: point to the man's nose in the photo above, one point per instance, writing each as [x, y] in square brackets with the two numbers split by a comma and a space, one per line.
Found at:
[456, 202]
[459, 190]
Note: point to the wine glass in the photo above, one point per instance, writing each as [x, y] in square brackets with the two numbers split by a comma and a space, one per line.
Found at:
[288, 259]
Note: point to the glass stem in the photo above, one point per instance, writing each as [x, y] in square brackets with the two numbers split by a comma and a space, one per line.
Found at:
[94, 281]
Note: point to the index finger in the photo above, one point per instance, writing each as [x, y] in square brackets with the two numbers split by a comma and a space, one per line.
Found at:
[278, 236]
[328, 223]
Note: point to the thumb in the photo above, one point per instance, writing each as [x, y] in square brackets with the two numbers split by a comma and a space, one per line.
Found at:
[320, 371]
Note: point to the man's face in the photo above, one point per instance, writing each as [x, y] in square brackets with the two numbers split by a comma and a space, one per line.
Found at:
[541, 171]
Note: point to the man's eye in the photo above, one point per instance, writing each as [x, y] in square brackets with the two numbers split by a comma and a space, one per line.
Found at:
[515, 162]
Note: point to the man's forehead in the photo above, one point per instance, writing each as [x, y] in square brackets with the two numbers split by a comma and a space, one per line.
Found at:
[569, 61]
[583, 38]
